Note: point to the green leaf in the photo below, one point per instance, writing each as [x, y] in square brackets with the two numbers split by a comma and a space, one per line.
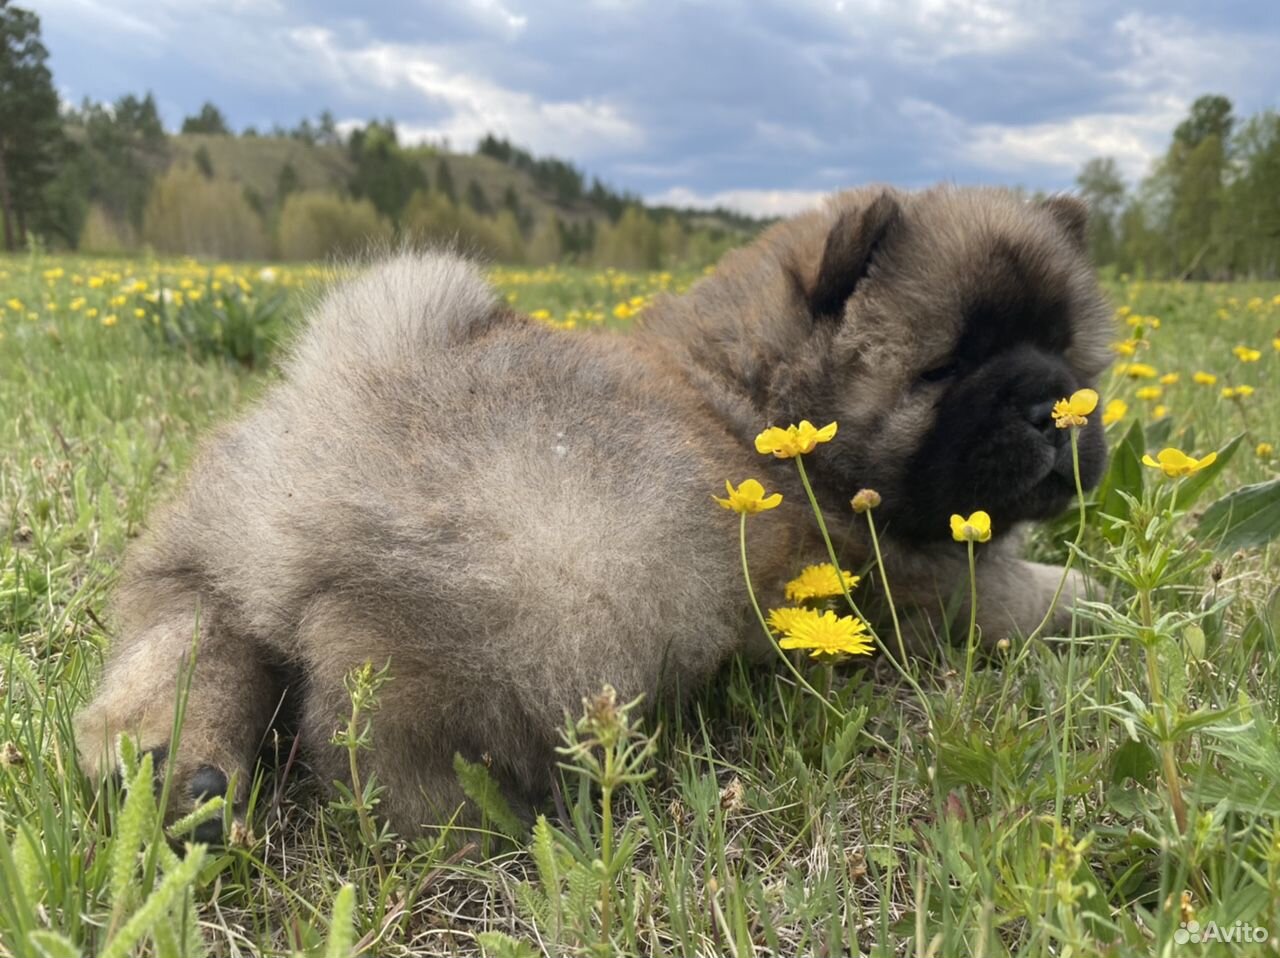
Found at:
[1124, 476]
[480, 787]
[342, 935]
[50, 944]
[495, 944]
[1246, 517]
[1190, 488]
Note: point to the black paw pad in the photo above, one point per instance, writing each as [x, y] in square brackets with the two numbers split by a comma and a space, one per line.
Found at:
[208, 782]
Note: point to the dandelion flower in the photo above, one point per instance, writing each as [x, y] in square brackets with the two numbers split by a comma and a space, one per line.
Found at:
[748, 498]
[784, 620]
[794, 440]
[977, 528]
[1169, 379]
[1204, 379]
[1140, 371]
[1116, 410]
[1247, 355]
[1175, 463]
[1237, 392]
[1149, 393]
[819, 582]
[1072, 411]
[828, 634]
[1265, 451]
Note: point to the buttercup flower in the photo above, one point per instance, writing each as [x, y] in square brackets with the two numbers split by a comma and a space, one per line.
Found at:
[819, 582]
[1072, 412]
[1205, 379]
[1149, 393]
[1140, 371]
[748, 498]
[977, 528]
[1116, 410]
[1168, 379]
[1160, 412]
[828, 634]
[1246, 354]
[1175, 463]
[794, 440]
[1265, 451]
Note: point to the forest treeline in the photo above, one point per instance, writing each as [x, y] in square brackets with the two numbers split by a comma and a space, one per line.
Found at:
[1208, 209]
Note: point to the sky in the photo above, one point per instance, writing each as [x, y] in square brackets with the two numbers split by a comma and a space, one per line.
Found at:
[760, 106]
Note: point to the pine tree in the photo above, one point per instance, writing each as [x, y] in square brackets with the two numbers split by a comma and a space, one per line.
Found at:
[31, 139]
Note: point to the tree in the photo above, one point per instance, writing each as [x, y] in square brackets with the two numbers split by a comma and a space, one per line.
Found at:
[477, 200]
[444, 182]
[208, 120]
[385, 174]
[31, 139]
[1102, 187]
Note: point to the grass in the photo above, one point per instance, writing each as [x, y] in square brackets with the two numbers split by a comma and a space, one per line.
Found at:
[1023, 803]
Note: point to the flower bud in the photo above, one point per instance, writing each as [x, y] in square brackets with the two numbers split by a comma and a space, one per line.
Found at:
[865, 500]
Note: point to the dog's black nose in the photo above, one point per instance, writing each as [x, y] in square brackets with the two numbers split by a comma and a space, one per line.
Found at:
[1040, 415]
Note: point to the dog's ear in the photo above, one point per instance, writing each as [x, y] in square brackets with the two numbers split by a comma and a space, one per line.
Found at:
[850, 246]
[1072, 214]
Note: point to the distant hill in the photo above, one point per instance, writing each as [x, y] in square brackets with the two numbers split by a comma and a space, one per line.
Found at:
[255, 162]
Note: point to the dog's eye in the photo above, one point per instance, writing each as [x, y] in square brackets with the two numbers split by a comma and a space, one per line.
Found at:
[939, 373]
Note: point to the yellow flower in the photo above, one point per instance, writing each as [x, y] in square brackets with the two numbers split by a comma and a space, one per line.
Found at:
[819, 582]
[15, 305]
[794, 440]
[1149, 393]
[1237, 392]
[1126, 347]
[109, 319]
[1168, 379]
[1265, 450]
[1175, 463]
[977, 528]
[748, 498]
[1116, 410]
[1204, 379]
[1246, 354]
[828, 634]
[1275, 343]
[1140, 371]
[784, 620]
[1072, 412]
[1160, 412]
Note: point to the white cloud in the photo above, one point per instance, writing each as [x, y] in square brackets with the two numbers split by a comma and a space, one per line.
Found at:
[474, 105]
[923, 30]
[752, 202]
[1134, 139]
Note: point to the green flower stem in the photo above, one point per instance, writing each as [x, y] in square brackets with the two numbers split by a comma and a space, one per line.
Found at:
[971, 642]
[1066, 566]
[786, 659]
[884, 583]
[1168, 758]
[606, 841]
[899, 667]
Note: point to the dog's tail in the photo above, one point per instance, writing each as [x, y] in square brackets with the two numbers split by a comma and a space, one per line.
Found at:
[406, 305]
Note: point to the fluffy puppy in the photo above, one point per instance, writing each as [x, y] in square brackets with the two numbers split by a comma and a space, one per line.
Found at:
[512, 516]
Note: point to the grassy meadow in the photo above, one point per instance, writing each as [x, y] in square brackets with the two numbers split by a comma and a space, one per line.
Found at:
[1108, 793]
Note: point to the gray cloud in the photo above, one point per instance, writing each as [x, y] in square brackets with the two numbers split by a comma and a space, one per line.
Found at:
[762, 106]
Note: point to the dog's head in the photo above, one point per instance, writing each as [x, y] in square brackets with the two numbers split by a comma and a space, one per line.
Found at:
[943, 326]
